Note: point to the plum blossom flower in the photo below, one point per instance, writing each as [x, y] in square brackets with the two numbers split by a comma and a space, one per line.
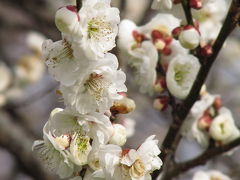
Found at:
[96, 89]
[51, 153]
[67, 20]
[119, 136]
[210, 18]
[162, 4]
[99, 26]
[29, 69]
[181, 75]
[223, 128]
[191, 126]
[130, 164]
[210, 175]
[62, 56]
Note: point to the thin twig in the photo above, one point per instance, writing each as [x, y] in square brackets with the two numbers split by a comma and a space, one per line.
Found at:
[202, 159]
[78, 4]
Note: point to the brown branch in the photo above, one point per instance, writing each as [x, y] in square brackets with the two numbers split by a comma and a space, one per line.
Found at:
[173, 136]
[202, 159]
[15, 139]
[78, 4]
[187, 11]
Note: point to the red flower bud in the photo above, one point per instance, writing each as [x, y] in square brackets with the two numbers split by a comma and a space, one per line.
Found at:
[196, 4]
[206, 50]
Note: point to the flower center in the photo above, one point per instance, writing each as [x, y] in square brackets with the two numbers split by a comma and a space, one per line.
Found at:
[63, 141]
[98, 28]
[137, 169]
[96, 86]
[82, 143]
[180, 74]
[66, 52]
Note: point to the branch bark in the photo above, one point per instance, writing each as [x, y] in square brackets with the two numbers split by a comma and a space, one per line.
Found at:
[179, 113]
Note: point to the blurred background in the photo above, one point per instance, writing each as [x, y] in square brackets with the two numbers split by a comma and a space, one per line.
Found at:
[28, 93]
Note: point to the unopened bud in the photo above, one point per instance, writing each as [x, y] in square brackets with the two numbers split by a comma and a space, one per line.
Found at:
[196, 4]
[138, 36]
[204, 122]
[160, 85]
[123, 106]
[176, 32]
[217, 102]
[119, 136]
[176, 1]
[206, 50]
[66, 19]
[156, 34]
[189, 38]
[160, 44]
[161, 103]
[167, 51]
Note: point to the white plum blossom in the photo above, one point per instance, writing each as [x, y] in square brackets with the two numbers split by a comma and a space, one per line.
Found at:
[191, 128]
[63, 61]
[29, 69]
[181, 74]
[53, 155]
[119, 136]
[99, 26]
[162, 4]
[130, 164]
[144, 62]
[34, 41]
[210, 18]
[223, 128]
[67, 20]
[210, 175]
[189, 38]
[96, 89]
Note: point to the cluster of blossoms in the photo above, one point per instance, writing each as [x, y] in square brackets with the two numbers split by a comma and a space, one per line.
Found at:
[210, 175]
[28, 70]
[209, 119]
[80, 141]
[159, 51]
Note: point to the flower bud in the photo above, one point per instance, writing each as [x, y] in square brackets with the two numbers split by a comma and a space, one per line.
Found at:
[160, 44]
[119, 136]
[123, 106]
[138, 36]
[189, 38]
[176, 31]
[160, 85]
[217, 102]
[176, 1]
[206, 50]
[196, 4]
[66, 19]
[161, 103]
[221, 128]
[204, 122]
[167, 51]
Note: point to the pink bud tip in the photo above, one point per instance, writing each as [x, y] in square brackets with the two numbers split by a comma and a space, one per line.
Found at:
[207, 50]
[176, 32]
[156, 35]
[196, 4]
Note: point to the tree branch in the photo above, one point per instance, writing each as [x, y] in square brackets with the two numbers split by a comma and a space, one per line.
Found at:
[78, 4]
[202, 159]
[173, 136]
